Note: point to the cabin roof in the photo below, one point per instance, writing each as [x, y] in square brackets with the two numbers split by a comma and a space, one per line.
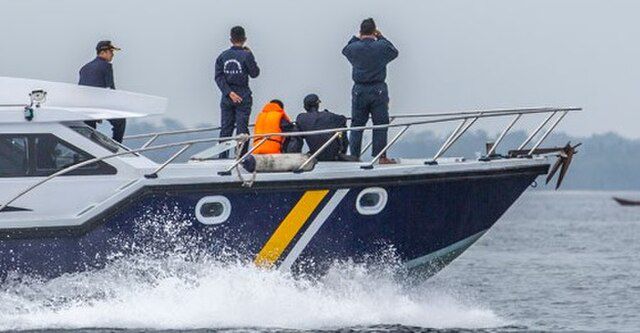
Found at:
[70, 102]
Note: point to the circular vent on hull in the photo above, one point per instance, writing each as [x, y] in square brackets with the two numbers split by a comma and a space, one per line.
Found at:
[213, 210]
[371, 200]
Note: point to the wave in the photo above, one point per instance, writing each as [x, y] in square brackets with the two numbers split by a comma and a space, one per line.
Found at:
[139, 292]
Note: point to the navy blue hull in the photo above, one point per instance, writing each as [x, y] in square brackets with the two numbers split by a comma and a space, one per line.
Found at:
[422, 216]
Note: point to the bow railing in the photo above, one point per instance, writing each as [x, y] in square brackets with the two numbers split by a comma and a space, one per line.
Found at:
[466, 120]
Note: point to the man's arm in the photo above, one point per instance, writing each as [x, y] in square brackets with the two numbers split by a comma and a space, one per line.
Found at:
[252, 67]
[221, 81]
[108, 77]
[390, 50]
[286, 125]
[346, 51]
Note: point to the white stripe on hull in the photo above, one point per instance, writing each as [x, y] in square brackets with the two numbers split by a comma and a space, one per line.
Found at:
[313, 228]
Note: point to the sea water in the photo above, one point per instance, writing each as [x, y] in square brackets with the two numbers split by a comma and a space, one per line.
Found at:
[565, 261]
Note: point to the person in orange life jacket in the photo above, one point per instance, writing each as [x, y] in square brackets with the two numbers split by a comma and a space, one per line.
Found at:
[272, 119]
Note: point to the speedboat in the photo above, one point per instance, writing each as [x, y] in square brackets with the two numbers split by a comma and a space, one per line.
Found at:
[626, 202]
[71, 199]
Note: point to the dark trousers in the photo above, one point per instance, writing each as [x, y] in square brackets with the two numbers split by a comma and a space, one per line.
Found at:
[369, 101]
[234, 116]
[118, 127]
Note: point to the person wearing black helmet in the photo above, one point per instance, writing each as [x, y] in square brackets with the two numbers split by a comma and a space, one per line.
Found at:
[99, 73]
[369, 54]
[314, 119]
[233, 69]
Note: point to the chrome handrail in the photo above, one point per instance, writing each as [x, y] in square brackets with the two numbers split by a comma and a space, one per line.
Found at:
[318, 152]
[398, 116]
[503, 135]
[384, 150]
[464, 117]
[546, 134]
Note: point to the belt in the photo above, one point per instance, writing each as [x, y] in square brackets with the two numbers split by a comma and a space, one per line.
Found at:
[369, 83]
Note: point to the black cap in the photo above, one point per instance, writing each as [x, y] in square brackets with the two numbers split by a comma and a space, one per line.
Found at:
[368, 27]
[105, 45]
[277, 101]
[311, 101]
[238, 34]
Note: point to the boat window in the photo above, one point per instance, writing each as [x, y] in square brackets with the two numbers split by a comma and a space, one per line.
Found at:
[98, 138]
[371, 201]
[30, 155]
[213, 209]
[53, 154]
[14, 158]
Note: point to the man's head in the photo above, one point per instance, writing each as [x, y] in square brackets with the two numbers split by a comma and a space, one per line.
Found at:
[368, 27]
[238, 36]
[277, 101]
[105, 50]
[311, 103]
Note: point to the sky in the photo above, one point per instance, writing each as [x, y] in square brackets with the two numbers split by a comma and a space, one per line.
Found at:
[454, 54]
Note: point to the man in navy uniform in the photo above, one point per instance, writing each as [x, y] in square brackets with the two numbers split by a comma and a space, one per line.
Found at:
[233, 69]
[99, 73]
[369, 55]
[314, 120]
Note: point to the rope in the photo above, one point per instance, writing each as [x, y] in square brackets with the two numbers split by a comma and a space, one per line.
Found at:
[243, 140]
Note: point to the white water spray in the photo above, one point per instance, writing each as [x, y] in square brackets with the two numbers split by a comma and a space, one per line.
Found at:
[171, 293]
[171, 285]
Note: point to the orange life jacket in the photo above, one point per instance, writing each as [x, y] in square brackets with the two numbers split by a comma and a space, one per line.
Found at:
[269, 122]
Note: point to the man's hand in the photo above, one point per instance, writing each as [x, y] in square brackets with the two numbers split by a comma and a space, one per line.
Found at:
[235, 97]
[378, 34]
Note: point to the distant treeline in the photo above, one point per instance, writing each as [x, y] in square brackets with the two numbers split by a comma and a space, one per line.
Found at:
[604, 162]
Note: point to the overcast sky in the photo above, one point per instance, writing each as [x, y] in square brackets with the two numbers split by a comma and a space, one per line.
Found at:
[453, 54]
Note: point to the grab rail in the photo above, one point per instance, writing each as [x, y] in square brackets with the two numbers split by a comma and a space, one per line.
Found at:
[448, 117]
[155, 135]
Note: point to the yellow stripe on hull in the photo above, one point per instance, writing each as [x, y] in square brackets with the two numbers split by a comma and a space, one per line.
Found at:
[289, 228]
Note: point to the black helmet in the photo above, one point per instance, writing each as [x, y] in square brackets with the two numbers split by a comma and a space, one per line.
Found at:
[311, 101]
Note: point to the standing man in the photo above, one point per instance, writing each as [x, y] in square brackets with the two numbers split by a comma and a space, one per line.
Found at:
[99, 73]
[369, 55]
[234, 67]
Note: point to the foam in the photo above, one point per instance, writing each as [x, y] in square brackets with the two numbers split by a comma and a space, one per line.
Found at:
[139, 292]
[166, 281]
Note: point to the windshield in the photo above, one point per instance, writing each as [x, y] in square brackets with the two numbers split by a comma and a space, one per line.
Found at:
[98, 138]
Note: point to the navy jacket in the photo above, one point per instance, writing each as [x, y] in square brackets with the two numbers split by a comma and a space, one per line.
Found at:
[319, 120]
[369, 58]
[97, 73]
[233, 69]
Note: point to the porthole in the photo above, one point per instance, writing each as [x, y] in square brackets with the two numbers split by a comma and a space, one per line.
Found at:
[371, 201]
[213, 210]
